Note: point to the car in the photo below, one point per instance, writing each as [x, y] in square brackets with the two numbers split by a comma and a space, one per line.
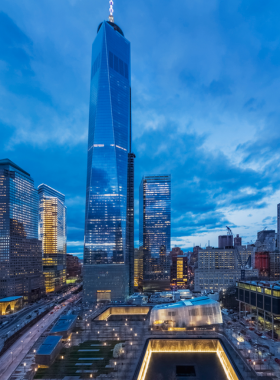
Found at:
[263, 337]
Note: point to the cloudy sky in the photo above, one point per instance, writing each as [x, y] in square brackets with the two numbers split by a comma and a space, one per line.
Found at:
[205, 87]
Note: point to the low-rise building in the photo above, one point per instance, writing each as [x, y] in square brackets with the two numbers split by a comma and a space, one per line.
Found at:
[10, 304]
[48, 351]
[64, 326]
[201, 311]
[262, 300]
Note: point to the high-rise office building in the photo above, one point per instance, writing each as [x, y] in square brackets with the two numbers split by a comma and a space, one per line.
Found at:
[130, 219]
[237, 241]
[262, 263]
[73, 267]
[225, 241]
[274, 261]
[155, 230]
[109, 216]
[20, 250]
[175, 252]
[138, 268]
[278, 226]
[219, 268]
[179, 271]
[52, 233]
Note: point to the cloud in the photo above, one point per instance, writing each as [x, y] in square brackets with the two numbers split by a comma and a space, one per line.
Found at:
[205, 84]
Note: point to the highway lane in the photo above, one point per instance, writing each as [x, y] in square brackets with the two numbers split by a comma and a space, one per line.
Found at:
[10, 360]
[21, 315]
[19, 318]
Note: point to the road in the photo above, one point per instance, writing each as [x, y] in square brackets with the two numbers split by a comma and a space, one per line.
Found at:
[11, 359]
[258, 347]
[20, 316]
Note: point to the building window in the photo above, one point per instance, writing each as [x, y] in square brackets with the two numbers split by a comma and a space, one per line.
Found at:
[103, 295]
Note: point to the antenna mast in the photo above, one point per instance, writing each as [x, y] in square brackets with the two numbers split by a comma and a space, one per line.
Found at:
[111, 11]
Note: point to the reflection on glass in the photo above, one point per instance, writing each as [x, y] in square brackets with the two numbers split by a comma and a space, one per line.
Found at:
[52, 233]
[154, 225]
[20, 249]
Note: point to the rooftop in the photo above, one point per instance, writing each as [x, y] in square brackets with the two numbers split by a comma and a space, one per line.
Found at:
[64, 323]
[49, 345]
[191, 302]
[115, 26]
[6, 161]
[263, 284]
[9, 299]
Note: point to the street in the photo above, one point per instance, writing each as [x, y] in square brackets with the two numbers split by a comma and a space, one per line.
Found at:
[11, 359]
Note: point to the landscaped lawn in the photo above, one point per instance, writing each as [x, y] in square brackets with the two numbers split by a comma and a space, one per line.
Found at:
[67, 366]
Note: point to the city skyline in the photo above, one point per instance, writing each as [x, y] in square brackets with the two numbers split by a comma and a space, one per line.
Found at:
[216, 78]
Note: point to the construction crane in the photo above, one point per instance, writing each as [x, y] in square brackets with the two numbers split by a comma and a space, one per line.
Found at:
[229, 232]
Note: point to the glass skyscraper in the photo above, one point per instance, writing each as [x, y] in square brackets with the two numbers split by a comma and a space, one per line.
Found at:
[109, 216]
[20, 250]
[154, 230]
[52, 233]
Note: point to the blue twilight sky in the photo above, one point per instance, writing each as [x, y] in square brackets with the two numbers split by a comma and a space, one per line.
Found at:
[205, 86]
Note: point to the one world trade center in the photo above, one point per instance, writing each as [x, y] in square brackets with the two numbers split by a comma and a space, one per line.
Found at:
[109, 214]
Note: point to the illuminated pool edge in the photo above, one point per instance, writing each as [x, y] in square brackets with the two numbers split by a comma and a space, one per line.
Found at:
[187, 345]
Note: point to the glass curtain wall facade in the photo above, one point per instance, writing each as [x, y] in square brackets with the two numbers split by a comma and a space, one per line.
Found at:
[155, 230]
[20, 250]
[108, 216]
[52, 233]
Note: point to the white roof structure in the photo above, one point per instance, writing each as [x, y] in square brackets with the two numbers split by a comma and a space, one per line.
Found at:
[199, 311]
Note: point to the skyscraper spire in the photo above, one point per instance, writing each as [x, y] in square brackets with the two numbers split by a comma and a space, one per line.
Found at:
[111, 11]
